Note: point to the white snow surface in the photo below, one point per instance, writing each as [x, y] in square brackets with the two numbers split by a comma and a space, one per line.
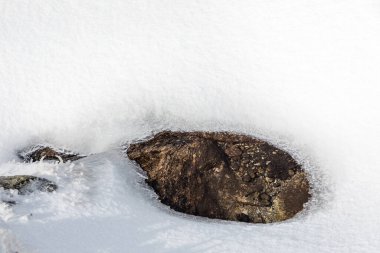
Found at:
[92, 75]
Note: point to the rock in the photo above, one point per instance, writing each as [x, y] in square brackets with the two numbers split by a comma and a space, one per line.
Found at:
[46, 152]
[246, 178]
[9, 202]
[27, 184]
[222, 175]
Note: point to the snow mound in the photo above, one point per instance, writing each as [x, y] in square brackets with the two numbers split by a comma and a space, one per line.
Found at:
[93, 75]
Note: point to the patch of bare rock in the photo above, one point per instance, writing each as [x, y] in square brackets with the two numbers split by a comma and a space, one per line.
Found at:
[46, 152]
[223, 175]
[26, 184]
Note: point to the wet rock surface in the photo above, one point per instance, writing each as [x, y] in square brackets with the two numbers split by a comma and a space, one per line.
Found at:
[222, 175]
[27, 184]
[47, 152]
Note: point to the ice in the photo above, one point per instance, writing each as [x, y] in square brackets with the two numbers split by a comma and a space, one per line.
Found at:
[93, 75]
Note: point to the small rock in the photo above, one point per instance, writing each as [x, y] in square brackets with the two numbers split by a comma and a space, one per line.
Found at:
[9, 202]
[246, 178]
[243, 217]
[47, 152]
[27, 184]
[233, 151]
[251, 173]
[265, 199]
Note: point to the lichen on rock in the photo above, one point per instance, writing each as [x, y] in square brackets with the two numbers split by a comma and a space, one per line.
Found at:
[222, 175]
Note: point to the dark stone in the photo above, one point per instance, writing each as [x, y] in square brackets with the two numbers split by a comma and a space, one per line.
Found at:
[246, 178]
[46, 152]
[26, 184]
[9, 202]
[222, 175]
[243, 217]
[265, 199]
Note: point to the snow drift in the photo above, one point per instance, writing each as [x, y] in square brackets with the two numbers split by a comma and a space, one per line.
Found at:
[93, 75]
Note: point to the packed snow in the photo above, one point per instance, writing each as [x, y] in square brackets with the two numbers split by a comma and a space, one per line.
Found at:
[93, 76]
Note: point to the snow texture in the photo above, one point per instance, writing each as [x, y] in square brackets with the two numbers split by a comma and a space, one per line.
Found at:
[93, 75]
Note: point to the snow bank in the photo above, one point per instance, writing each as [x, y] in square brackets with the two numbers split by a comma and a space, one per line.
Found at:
[91, 75]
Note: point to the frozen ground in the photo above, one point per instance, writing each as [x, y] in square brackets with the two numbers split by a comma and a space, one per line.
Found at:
[91, 75]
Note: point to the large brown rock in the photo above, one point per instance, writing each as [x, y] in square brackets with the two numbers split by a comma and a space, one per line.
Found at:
[222, 175]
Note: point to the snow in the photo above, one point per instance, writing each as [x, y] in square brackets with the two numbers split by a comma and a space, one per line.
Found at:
[93, 75]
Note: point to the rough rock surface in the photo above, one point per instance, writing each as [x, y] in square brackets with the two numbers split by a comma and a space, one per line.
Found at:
[47, 152]
[222, 175]
[27, 184]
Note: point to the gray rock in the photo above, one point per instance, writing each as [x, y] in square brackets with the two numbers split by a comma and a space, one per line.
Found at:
[27, 184]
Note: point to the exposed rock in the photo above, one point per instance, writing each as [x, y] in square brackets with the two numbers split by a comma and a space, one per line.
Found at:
[222, 175]
[46, 152]
[9, 202]
[26, 184]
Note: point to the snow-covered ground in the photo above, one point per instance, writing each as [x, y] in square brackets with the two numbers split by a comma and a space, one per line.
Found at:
[92, 75]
